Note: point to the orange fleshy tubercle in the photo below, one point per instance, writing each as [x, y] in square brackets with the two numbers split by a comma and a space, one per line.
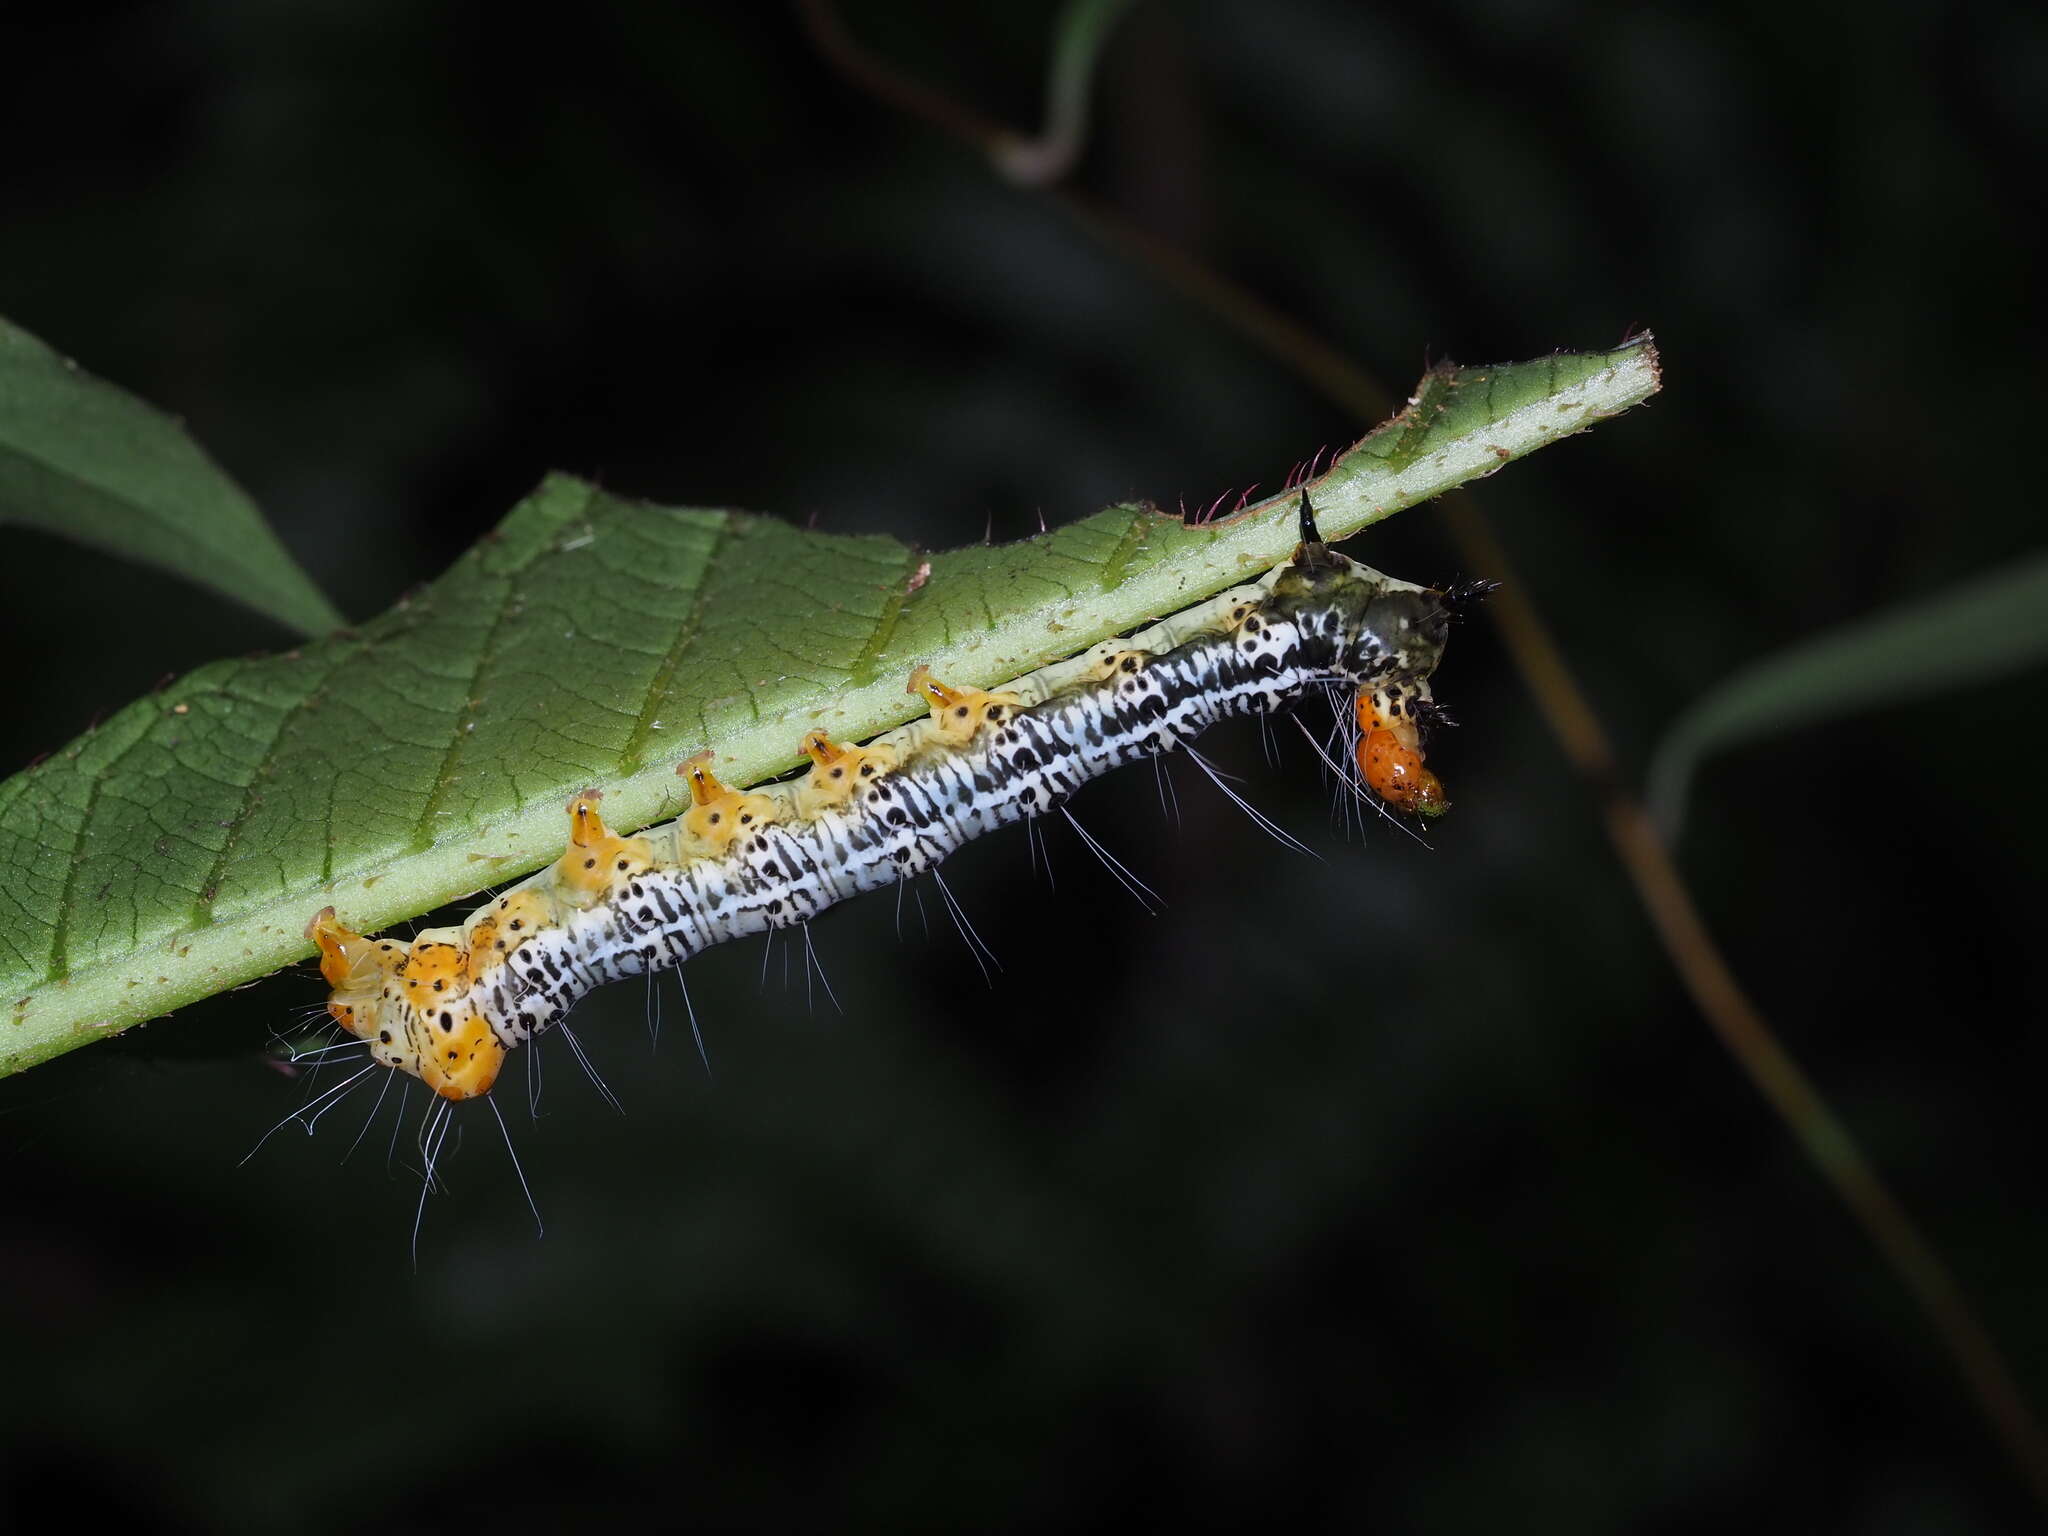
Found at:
[922, 682]
[957, 713]
[596, 855]
[337, 945]
[704, 786]
[821, 749]
[838, 773]
[585, 825]
[717, 814]
[1390, 757]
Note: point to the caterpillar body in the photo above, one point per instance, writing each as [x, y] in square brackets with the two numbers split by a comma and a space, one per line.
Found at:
[448, 1006]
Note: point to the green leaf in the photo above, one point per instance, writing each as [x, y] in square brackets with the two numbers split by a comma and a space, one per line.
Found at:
[1968, 634]
[80, 458]
[179, 848]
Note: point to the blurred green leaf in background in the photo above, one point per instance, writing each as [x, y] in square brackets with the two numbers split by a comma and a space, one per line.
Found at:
[88, 461]
[1911, 660]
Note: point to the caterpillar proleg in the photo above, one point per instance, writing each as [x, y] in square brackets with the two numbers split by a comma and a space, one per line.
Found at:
[449, 1005]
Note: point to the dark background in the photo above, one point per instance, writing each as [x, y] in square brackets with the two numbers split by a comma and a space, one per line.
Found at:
[1402, 1188]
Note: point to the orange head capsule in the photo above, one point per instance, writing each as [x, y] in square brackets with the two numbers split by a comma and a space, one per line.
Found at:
[1390, 756]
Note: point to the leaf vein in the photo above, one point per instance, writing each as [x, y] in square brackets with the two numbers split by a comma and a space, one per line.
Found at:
[444, 774]
[632, 754]
[209, 888]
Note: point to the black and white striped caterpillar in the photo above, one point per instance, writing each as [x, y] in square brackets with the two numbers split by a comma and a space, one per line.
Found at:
[448, 1006]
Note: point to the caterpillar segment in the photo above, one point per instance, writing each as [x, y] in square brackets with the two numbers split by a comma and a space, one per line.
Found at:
[448, 1006]
[718, 817]
[596, 856]
[838, 773]
[958, 714]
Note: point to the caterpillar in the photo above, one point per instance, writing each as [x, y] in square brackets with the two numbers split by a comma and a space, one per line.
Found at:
[448, 1006]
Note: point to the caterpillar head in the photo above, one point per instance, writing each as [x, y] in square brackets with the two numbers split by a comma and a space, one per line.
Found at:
[1389, 752]
[411, 1003]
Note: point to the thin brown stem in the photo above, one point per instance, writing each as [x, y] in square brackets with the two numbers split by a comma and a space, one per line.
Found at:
[1645, 858]
[1734, 1018]
[893, 88]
